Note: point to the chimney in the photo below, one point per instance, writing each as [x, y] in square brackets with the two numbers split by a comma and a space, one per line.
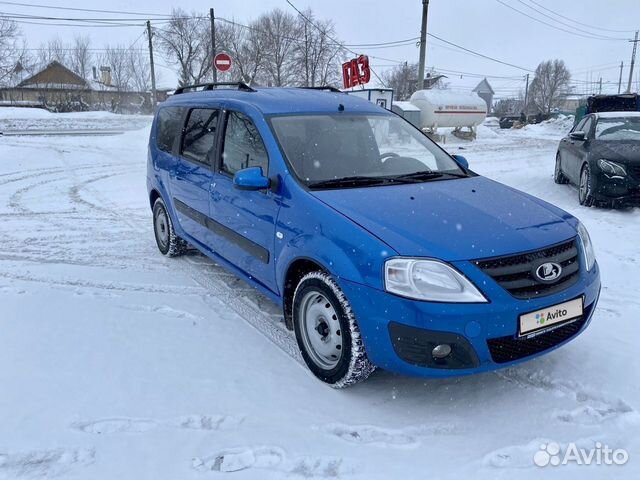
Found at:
[105, 75]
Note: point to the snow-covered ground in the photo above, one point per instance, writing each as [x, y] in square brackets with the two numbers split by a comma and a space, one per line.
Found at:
[116, 362]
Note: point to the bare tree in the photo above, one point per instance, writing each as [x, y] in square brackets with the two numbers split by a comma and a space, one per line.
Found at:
[403, 79]
[551, 80]
[245, 47]
[116, 58]
[186, 40]
[279, 32]
[508, 106]
[8, 47]
[53, 50]
[80, 55]
[139, 70]
[317, 55]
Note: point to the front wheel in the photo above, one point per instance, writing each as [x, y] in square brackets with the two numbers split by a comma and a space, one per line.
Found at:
[585, 189]
[327, 332]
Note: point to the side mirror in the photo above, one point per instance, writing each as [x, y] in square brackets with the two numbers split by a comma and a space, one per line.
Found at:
[579, 135]
[251, 179]
[461, 161]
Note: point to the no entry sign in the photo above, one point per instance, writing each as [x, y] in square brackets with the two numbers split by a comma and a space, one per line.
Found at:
[222, 61]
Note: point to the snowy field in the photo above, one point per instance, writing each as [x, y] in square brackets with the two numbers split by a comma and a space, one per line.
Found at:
[118, 363]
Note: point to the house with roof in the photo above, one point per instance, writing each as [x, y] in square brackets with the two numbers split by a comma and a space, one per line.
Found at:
[58, 88]
[485, 92]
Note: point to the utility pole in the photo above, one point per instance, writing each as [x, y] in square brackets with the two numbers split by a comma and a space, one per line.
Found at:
[633, 61]
[213, 45]
[423, 44]
[526, 95]
[153, 70]
[600, 88]
[620, 79]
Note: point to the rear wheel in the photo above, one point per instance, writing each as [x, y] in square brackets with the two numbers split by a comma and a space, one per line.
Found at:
[327, 332]
[585, 189]
[558, 175]
[168, 242]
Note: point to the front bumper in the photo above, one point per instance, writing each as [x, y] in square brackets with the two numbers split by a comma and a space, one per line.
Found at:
[400, 333]
[625, 189]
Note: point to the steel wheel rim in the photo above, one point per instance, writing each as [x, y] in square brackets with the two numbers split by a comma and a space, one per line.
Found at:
[320, 330]
[584, 184]
[162, 227]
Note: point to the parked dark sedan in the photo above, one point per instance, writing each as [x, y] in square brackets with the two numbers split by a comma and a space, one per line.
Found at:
[601, 156]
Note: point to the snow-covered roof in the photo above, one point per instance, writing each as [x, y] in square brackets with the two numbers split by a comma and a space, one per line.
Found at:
[617, 114]
[484, 87]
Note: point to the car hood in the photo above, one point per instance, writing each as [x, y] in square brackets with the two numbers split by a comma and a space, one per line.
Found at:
[626, 152]
[461, 219]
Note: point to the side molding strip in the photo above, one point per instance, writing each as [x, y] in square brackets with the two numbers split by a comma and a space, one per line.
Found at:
[249, 246]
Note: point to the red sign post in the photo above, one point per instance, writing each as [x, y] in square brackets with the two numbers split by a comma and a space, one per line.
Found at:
[356, 72]
[222, 62]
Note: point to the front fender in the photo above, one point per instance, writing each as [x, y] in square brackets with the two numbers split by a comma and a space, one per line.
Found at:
[314, 231]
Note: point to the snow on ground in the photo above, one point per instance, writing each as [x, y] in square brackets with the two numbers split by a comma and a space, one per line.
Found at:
[13, 118]
[116, 362]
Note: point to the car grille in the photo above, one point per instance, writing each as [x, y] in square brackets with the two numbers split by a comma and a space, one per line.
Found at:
[510, 348]
[515, 272]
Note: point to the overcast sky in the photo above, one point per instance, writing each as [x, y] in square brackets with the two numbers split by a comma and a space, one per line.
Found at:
[486, 26]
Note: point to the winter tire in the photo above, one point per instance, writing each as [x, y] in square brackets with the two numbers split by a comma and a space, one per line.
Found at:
[327, 332]
[168, 242]
[558, 176]
[585, 188]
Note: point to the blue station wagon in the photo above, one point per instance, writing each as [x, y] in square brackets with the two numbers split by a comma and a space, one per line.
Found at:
[382, 249]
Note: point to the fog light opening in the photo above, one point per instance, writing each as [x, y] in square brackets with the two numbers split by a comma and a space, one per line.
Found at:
[441, 351]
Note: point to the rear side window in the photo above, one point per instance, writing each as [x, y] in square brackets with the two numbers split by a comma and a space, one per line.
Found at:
[243, 145]
[169, 127]
[200, 135]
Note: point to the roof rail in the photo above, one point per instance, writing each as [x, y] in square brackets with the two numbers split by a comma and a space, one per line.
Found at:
[212, 86]
[327, 88]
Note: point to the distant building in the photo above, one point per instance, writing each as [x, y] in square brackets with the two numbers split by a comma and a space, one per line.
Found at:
[58, 88]
[485, 92]
[569, 102]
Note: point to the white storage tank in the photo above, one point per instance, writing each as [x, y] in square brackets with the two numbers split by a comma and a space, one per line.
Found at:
[444, 108]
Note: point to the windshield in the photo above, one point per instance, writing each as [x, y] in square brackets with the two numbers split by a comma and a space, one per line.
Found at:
[325, 149]
[623, 128]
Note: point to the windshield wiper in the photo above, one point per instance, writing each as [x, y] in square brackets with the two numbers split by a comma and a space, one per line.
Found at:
[418, 176]
[363, 181]
[354, 181]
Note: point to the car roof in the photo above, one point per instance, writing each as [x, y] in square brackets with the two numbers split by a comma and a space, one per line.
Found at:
[616, 114]
[278, 101]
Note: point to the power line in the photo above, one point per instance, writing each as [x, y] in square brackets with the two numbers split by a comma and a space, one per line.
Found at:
[80, 25]
[580, 23]
[83, 9]
[479, 54]
[555, 26]
[332, 39]
[604, 37]
[413, 39]
[21, 18]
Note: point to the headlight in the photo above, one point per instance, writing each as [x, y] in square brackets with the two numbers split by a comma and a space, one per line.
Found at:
[587, 246]
[428, 280]
[612, 169]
